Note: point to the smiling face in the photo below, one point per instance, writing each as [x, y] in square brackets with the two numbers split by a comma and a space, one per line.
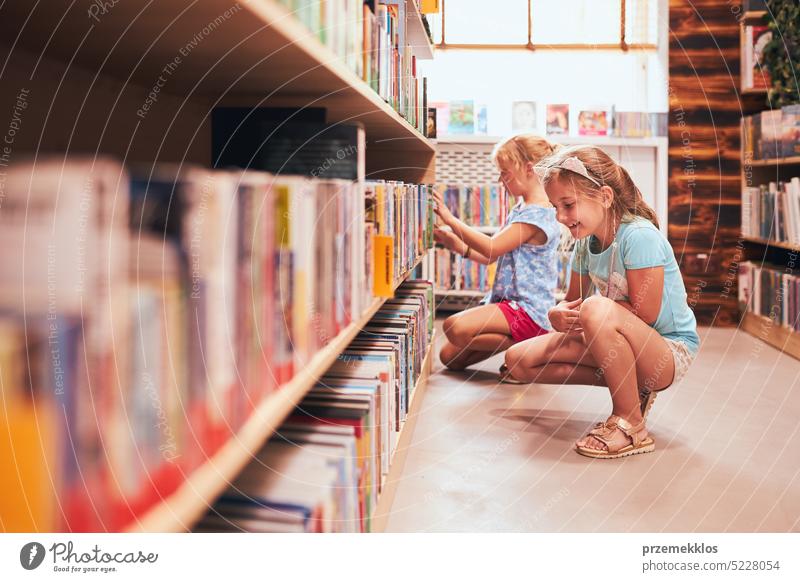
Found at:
[584, 215]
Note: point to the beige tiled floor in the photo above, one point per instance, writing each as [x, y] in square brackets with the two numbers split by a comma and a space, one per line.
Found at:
[489, 457]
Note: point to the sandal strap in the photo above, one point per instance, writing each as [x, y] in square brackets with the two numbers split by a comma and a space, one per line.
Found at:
[631, 431]
[604, 431]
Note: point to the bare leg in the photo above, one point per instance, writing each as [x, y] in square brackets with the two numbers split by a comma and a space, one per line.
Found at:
[474, 335]
[629, 351]
[456, 358]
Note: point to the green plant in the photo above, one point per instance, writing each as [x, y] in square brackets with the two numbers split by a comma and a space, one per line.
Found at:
[782, 53]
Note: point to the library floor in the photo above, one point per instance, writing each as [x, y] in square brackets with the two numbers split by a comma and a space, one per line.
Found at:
[488, 457]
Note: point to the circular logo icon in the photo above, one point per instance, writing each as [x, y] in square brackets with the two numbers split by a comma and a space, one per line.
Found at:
[31, 555]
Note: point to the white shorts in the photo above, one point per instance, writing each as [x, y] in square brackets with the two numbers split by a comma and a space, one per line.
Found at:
[682, 358]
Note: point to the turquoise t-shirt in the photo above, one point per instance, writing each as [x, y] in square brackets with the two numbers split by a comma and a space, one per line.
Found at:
[641, 245]
[528, 275]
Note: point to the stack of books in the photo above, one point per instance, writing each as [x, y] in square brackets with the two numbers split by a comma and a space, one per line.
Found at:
[325, 467]
[157, 307]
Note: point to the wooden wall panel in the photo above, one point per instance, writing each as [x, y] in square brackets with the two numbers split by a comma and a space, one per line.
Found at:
[704, 158]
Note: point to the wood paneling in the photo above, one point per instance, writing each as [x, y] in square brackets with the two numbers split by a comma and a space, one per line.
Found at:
[704, 156]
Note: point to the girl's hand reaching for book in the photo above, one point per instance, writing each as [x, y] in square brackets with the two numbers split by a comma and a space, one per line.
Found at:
[445, 238]
[565, 317]
[441, 209]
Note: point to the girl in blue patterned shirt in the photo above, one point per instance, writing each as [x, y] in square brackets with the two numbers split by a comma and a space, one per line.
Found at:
[525, 252]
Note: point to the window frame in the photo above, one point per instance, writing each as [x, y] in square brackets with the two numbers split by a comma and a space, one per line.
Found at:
[622, 45]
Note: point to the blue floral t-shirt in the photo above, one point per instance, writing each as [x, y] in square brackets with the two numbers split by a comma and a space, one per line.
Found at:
[528, 275]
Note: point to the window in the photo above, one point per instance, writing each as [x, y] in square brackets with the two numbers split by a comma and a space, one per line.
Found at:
[546, 24]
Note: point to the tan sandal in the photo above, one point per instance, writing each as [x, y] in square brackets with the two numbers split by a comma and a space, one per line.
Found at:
[608, 433]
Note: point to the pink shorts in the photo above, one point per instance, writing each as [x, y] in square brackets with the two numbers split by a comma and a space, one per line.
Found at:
[521, 325]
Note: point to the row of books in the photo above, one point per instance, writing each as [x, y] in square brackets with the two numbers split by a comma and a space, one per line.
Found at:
[455, 273]
[402, 212]
[771, 292]
[754, 74]
[639, 124]
[370, 39]
[486, 205]
[772, 134]
[158, 306]
[468, 117]
[772, 211]
[325, 468]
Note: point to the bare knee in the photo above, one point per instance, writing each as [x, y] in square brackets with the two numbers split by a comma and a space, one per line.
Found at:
[597, 312]
[456, 331]
[514, 356]
[449, 356]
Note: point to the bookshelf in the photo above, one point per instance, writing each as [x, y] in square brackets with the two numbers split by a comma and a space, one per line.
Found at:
[257, 54]
[97, 66]
[380, 517]
[766, 253]
[187, 504]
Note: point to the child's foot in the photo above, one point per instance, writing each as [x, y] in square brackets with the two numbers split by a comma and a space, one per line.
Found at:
[506, 377]
[615, 438]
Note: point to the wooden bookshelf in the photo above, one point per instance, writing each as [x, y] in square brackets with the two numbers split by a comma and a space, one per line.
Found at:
[753, 16]
[794, 160]
[772, 243]
[380, 516]
[181, 510]
[254, 53]
[772, 332]
[415, 31]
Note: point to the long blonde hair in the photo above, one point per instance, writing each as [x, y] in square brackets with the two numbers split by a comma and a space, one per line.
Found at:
[628, 201]
[521, 149]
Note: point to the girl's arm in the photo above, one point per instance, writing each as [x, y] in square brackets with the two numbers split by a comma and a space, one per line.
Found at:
[493, 247]
[579, 286]
[455, 244]
[645, 290]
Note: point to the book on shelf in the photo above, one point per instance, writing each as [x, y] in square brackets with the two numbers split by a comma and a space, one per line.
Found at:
[558, 119]
[772, 134]
[254, 139]
[455, 273]
[484, 205]
[462, 117]
[593, 122]
[523, 116]
[162, 305]
[772, 211]
[769, 291]
[754, 74]
[639, 124]
[325, 467]
[369, 39]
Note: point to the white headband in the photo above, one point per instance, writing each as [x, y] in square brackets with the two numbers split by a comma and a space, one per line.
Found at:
[571, 164]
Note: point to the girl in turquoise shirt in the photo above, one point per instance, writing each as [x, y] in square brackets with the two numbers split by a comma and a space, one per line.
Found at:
[637, 335]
